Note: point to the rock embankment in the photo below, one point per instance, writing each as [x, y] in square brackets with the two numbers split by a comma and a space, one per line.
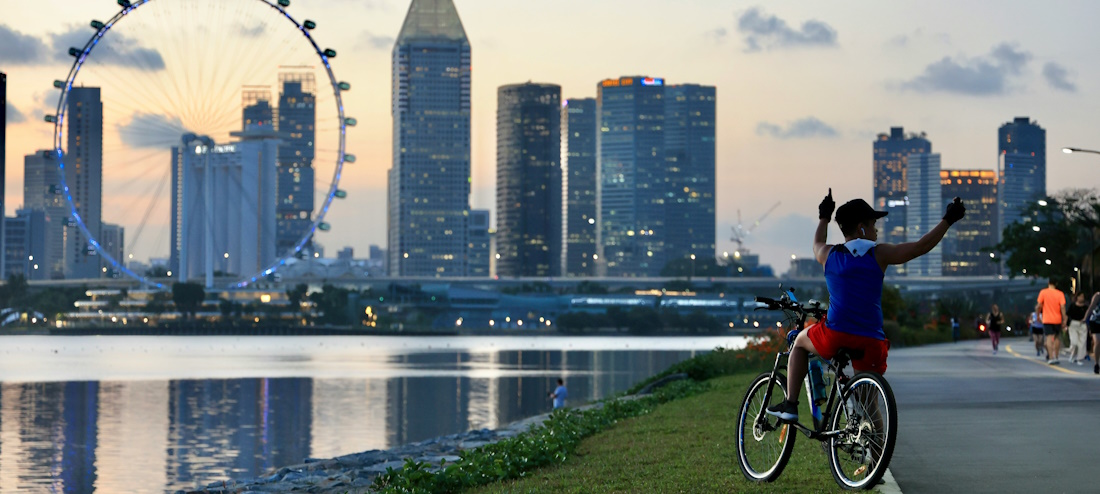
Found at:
[356, 472]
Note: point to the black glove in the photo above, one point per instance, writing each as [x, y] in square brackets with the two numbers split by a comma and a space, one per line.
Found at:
[955, 211]
[825, 209]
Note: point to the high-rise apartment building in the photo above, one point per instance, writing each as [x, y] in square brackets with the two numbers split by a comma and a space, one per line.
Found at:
[529, 202]
[632, 179]
[479, 248]
[579, 186]
[223, 207]
[925, 210]
[84, 176]
[1022, 166]
[113, 241]
[890, 157]
[297, 125]
[25, 246]
[42, 192]
[690, 118]
[256, 109]
[963, 244]
[429, 183]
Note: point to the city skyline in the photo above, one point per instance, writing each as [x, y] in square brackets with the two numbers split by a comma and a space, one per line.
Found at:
[805, 106]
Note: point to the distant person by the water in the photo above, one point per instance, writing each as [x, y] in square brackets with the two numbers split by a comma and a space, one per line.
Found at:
[559, 395]
[955, 329]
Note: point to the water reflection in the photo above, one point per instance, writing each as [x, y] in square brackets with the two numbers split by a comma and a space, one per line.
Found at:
[155, 435]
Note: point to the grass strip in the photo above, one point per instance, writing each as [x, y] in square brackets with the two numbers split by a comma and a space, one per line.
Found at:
[551, 443]
[686, 445]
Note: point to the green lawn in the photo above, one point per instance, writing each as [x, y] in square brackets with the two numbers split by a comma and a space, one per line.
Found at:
[685, 445]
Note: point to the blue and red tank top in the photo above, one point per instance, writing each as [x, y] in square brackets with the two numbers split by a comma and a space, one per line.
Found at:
[854, 279]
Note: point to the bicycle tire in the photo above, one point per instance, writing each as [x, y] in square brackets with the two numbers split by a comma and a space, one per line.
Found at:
[775, 445]
[867, 410]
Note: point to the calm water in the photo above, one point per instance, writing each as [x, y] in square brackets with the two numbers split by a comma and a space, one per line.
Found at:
[149, 414]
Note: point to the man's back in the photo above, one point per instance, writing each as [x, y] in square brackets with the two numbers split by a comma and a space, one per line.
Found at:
[1052, 300]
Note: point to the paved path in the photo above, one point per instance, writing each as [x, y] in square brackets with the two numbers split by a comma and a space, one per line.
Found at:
[971, 421]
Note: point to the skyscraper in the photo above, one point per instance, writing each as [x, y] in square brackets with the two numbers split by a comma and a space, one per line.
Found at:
[529, 205]
[26, 245]
[84, 176]
[223, 207]
[42, 192]
[297, 128]
[890, 157]
[1022, 163]
[429, 183]
[113, 240]
[690, 119]
[963, 244]
[925, 210]
[579, 186]
[479, 249]
[256, 109]
[632, 179]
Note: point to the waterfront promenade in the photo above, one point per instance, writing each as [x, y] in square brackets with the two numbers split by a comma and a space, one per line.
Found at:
[971, 421]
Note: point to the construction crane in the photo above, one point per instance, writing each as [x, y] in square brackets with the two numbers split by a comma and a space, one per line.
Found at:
[740, 233]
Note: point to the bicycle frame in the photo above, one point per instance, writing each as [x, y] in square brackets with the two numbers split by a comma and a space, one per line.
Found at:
[837, 365]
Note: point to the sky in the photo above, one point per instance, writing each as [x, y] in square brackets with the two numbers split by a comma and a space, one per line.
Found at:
[803, 87]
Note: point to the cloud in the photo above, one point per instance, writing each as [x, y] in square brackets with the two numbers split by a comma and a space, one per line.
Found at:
[114, 49]
[987, 75]
[1058, 77]
[13, 115]
[20, 49]
[806, 128]
[716, 35]
[249, 32]
[371, 41]
[149, 130]
[768, 32]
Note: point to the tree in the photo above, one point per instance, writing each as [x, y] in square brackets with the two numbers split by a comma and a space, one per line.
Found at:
[188, 298]
[332, 304]
[1051, 238]
[14, 292]
[705, 267]
[295, 296]
[589, 288]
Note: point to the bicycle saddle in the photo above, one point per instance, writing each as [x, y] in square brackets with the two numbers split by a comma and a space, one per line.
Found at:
[848, 354]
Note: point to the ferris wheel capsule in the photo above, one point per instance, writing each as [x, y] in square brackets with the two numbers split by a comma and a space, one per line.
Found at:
[284, 3]
[97, 25]
[308, 24]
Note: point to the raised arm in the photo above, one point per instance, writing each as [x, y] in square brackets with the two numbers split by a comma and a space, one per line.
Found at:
[890, 254]
[824, 215]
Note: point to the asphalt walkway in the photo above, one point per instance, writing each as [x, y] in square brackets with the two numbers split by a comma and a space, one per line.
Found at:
[971, 421]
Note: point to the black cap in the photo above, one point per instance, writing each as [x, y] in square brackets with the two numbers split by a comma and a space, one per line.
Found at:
[857, 211]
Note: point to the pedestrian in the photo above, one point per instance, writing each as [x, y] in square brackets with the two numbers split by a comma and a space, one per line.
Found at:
[1078, 333]
[994, 321]
[1093, 323]
[1052, 306]
[1035, 321]
[955, 329]
[559, 395]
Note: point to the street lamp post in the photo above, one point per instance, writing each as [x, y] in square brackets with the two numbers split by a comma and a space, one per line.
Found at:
[692, 267]
[1079, 150]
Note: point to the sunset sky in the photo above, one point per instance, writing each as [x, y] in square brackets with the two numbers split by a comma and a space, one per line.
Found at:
[803, 87]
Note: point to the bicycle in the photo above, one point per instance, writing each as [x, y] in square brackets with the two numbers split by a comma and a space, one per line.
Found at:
[856, 425]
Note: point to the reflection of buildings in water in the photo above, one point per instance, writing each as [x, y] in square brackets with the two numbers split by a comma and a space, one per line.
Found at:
[349, 416]
[48, 436]
[426, 407]
[481, 405]
[133, 434]
[227, 428]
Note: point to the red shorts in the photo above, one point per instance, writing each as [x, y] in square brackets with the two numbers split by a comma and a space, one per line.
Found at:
[827, 341]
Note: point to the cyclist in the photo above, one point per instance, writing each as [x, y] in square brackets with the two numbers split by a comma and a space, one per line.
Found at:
[853, 274]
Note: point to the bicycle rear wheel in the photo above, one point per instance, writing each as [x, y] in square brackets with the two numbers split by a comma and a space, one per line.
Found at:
[868, 415]
[764, 444]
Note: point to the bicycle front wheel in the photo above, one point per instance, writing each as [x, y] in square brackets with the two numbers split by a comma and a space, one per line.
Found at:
[764, 443]
[867, 415]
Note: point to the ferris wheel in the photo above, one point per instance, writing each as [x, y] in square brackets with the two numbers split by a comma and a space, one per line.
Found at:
[199, 133]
